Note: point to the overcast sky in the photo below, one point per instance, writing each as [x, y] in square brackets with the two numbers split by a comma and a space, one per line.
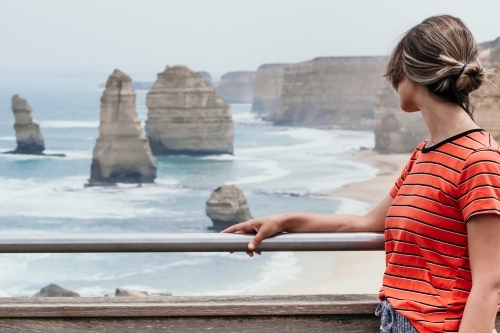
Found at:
[142, 36]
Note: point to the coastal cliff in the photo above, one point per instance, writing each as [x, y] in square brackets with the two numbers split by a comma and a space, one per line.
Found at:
[267, 89]
[335, 92]
[207, 79]
[187, 117]
[487, 100]
[236, 87]
[121, 154]
[396, 131]
[28, 135]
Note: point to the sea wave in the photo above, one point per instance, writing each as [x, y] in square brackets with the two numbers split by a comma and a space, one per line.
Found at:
[69, 124]
[280, 268]
[67, 198]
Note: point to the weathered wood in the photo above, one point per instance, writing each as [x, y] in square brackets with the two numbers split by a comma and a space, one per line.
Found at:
[62, 307]
[254, 324]
[246, 314]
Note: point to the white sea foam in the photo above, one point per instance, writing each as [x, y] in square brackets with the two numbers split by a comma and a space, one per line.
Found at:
[280, 268]
[224, 157]
[7, 138]
[69, 124]
[272, 170]
[70, 155]
[67, 198]
[351, 206]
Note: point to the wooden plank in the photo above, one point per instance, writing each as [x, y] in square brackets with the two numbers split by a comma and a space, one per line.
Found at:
[254, 324]
[63, 307]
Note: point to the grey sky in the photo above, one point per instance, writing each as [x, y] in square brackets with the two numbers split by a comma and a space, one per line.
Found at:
[142, 36]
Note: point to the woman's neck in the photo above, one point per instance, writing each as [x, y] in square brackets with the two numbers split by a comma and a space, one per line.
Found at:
[445, 120]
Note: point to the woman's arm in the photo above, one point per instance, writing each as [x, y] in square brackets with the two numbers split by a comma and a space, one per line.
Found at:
[270, 225]
[483, 232]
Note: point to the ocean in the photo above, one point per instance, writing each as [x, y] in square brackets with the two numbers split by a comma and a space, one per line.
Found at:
[280, 169]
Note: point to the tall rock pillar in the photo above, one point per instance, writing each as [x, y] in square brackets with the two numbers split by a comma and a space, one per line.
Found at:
[186, 117]
[28, 135]
[121, 154]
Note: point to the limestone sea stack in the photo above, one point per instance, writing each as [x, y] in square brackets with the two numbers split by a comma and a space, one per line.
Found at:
[267, 89]
[121, 154]
[237, 87]
[186, 117]
[28, 136]
[396, 131]
[335, 92]
[226, 206]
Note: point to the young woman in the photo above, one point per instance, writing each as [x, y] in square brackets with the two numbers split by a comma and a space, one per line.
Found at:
[442, 217]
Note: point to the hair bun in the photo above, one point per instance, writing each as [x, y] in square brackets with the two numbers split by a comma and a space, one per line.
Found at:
[472, 77]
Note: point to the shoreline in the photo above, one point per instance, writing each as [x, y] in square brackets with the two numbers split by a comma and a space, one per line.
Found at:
[347, 272]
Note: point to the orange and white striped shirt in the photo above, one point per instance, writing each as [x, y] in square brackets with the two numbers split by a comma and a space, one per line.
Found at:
[428, 277]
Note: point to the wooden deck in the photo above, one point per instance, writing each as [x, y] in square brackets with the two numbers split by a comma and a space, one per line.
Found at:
[252, 314]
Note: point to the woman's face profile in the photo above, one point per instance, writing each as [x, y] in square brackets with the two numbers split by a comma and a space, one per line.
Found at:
[408, 92]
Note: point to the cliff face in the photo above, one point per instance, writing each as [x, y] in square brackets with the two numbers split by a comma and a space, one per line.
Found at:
[236, 87]
[121, 154]
[28, 136]
[338, 91]
[487, 101]
[187, 117]
[396, 131]
[207, 79]
[267, 88]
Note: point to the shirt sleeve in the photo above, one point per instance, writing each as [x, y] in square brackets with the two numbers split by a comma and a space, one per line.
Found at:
[479, 186]
[406, 170]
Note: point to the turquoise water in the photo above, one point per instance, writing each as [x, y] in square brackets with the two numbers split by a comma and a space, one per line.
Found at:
[280, 169]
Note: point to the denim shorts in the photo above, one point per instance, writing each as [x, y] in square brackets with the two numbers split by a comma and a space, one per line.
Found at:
[391, 321]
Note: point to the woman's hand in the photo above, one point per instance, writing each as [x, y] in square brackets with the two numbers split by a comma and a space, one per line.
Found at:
[263, 227]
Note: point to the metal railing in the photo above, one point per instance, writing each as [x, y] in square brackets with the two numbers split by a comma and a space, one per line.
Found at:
[188, 242]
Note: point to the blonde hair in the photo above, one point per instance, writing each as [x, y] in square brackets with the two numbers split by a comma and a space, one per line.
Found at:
[441, 54]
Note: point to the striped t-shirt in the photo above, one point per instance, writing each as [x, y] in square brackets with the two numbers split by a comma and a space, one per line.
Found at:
[428, 277]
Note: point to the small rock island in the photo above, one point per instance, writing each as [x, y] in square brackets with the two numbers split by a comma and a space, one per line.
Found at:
[121, 154]
[226, 206]
[185, 117]
[28, 135]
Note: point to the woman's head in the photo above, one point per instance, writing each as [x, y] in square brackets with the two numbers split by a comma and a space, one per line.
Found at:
[441, 54]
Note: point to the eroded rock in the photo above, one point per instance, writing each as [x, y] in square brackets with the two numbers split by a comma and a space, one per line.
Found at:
[121, 292]
[332, 92]
[237, 87]
[186, 117]
[267, 89]
[226, 206]
[53, 290]
[121, 154]
[28, 135]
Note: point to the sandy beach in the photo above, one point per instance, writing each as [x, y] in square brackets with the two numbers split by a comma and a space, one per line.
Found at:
[348, 272]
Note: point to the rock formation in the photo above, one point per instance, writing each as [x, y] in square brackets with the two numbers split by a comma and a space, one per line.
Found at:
[267, 89]
[236, 87]
[186, 117]
[53, 290]
[487, 100]
[207, 79]
[28, 135]
[121, 154]
[226, 206]
[130, 293]
[396, 131]
[336, 92]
